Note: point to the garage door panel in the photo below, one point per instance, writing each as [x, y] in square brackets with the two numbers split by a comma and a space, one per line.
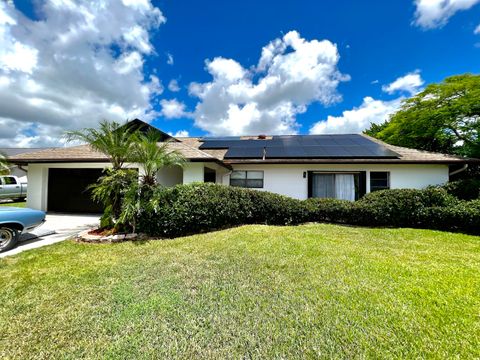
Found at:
[67, 190]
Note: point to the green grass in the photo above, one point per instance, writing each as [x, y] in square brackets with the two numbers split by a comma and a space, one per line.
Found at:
[250, 292]
[16, 204]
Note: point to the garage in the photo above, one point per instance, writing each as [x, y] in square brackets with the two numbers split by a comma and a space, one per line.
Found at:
[67, 190]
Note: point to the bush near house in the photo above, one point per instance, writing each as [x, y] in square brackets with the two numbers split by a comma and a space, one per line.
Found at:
[467, 189]
[196, 208]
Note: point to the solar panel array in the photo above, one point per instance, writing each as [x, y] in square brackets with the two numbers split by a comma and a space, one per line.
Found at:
[300, 146]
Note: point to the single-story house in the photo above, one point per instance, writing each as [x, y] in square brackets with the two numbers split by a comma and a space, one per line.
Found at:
[299, 166]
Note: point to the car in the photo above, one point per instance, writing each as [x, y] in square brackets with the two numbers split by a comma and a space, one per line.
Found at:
[14, 221]
[12, 187]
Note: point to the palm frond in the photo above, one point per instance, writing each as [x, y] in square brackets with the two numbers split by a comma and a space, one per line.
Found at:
[111, 138]
[153, 155]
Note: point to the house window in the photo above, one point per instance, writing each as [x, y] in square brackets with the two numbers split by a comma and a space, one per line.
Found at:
[247, 179]
[343, 186]
[379, 180]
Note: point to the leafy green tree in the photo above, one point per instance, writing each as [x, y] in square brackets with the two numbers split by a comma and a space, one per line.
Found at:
[152, 155]
[111, 138]
[445, 117]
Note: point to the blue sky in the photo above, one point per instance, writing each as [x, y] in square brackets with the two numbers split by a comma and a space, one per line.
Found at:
[377, 43]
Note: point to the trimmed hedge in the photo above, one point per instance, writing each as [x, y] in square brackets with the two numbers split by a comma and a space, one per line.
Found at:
[464, 216]
[195, 208]
[467, 189]
[399, 207]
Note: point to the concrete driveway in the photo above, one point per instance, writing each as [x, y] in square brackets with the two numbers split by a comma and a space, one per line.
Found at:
[58, 227]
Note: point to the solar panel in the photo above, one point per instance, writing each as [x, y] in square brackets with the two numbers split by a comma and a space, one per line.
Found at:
[244, 152]
[300, 146]
[278, 152]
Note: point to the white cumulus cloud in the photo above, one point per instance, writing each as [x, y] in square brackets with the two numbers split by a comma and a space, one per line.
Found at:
[431, 14]
[170, 60]
[79, 63]
[180, 133]
[173, 86]
[292, 72]
[173, 109]
[357, 119]
[410, 83]
[371, 111]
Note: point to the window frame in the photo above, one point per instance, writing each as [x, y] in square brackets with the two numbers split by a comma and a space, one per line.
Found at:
[238, 181]
[376, 187]
[356, 179]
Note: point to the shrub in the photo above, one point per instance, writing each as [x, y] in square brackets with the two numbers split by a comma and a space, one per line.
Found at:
[329, 210]
[194, 208]
[468, 189]
[464, 216]
[399, 207]
[110, 190]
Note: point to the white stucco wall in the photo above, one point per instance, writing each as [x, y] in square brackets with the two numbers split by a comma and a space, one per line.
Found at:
[193, 172]
[288, 179]
[170, 176]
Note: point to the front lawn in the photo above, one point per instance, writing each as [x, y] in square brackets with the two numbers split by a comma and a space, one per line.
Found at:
[16, 204]
[249, 292]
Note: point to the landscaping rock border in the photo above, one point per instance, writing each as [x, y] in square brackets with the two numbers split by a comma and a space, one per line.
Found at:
[84, 236]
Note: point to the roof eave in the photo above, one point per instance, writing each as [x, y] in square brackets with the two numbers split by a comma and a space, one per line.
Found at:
[352, 161]
[92, 160]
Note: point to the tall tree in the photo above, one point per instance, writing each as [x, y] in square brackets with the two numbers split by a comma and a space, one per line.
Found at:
[445, 117]
[112, 139]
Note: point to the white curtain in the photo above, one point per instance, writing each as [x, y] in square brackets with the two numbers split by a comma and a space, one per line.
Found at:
[323, 186]
[345, 187]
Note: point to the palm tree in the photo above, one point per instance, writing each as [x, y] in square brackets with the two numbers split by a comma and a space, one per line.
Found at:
[116, 142]
[152, 155]
[112, 139]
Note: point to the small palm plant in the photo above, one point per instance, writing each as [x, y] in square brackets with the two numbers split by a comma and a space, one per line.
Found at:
[152, 155]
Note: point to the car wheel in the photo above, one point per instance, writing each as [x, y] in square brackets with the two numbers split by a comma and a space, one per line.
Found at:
[8, 238]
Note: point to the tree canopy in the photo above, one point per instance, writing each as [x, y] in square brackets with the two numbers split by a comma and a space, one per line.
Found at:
[444, 117]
